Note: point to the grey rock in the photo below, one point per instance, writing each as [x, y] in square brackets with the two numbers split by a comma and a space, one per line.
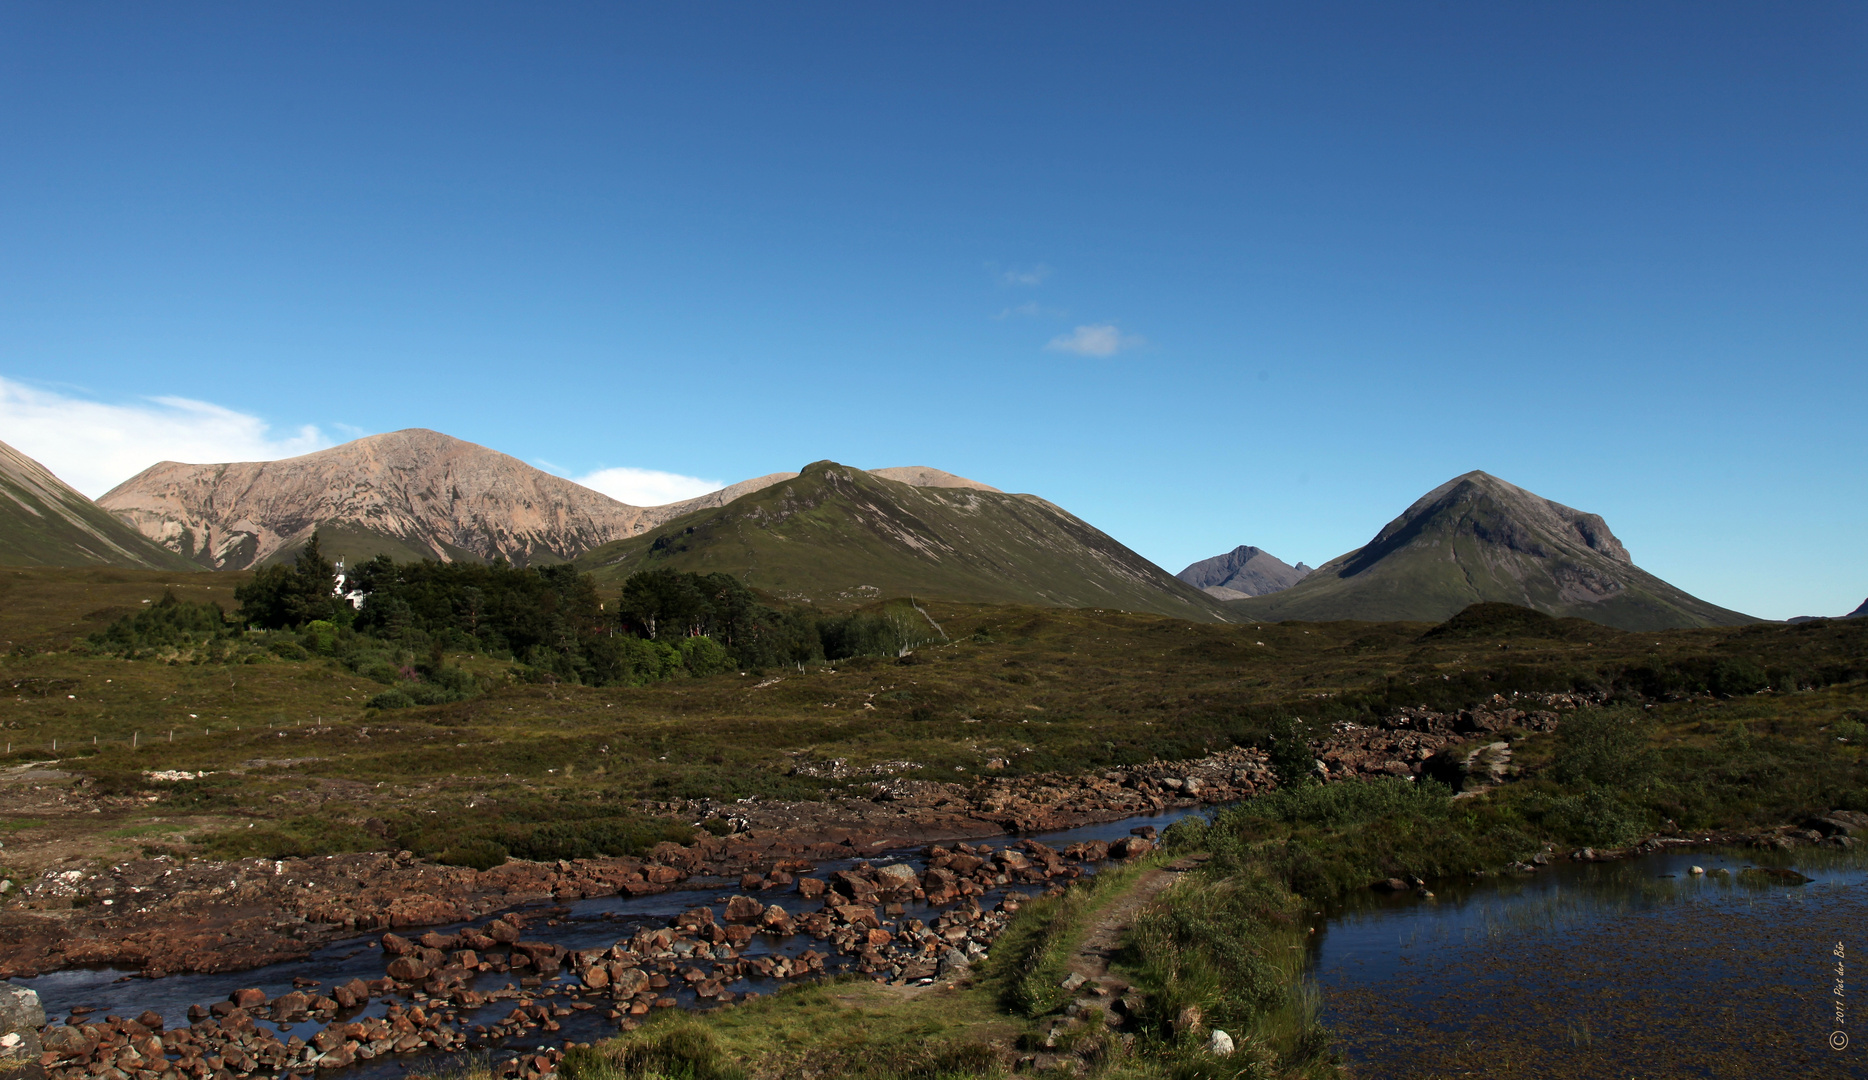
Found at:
[21, 1017]
[20, 1009]
[1219, 1044]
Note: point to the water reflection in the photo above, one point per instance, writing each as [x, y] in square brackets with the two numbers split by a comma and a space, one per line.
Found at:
[1637, 967]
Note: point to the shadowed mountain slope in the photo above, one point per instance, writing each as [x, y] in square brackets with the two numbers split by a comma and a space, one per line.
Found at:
[1477, 538]
[838, 534]
[1860, 612]
[1244, 571]
[46, 522]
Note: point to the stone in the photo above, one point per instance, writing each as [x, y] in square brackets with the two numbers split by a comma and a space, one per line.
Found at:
[289, 1004]
[21, 1017]
[1073, 980]
[1696, 870]
[896, 876]
[1219, 1044]
[952, 962]
[407, 969]
[351, 994]
[1187, 1021]
[811, 888]
[249, 998]
[397, 945]
[743, 909]
[20, 1009]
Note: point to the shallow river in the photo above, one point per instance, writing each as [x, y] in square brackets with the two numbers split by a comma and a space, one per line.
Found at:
[585, 924]
[1626, 969]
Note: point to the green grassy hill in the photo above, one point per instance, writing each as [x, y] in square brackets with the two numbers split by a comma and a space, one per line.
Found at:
[1477, 538]
[44, 522]
[838, 535]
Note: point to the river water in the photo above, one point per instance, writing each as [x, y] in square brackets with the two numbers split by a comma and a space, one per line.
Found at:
[1636, 968]
[585, 924]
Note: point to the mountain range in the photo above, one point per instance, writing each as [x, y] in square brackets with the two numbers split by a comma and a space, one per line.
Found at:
[829, 533]
[45, 522]
[1244, 571]
[1477, 538]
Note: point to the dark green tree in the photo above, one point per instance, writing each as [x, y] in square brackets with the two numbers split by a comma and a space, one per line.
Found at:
[285, 597]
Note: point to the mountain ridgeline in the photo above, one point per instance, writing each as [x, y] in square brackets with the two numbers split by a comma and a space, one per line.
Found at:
[1477, 538]
[413, 494]
[840, 535]
[45, 522]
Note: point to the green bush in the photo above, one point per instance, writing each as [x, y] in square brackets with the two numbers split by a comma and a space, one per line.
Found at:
[1595, 818]
[167, 624]
[294, 838]
[1606, 747]
[390, 699]
[1288, 746]
[479, 854]
[1346, 804]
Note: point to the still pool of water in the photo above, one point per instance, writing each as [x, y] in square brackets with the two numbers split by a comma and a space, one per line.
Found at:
[1636, 968]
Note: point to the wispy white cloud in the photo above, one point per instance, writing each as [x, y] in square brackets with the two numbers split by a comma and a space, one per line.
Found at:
[1027, 275]
[646, 487]
[1098, 339]
[95, 445]
[1033, 310]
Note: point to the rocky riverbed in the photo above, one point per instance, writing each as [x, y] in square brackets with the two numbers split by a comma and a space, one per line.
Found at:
[430, 996]
[164, 915]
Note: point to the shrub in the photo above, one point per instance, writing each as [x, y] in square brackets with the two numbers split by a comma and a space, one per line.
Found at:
[390, 699]
[1288, 745]
[479, 854]
[1608, 747]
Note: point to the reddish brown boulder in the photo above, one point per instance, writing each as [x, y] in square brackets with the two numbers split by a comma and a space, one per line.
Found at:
[811, 888]
[287, 1005]
[743, 909]
[407, 969]
[250, 998]
[397, 945]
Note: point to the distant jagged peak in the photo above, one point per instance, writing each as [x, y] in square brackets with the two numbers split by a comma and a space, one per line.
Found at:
[1860, 612]
[1244, 571]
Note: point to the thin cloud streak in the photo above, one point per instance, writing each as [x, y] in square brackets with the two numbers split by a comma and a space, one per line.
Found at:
[94, 445]
[1034, 275]
[1097, 339]
[1033, 310]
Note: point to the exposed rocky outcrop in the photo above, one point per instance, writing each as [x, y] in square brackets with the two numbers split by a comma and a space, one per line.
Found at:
[413, 493]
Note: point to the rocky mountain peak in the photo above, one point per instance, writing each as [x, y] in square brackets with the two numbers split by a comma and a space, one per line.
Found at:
[1477, 538]
[1243, 571]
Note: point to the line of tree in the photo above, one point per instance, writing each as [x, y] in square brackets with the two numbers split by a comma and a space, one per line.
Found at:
[552, 619]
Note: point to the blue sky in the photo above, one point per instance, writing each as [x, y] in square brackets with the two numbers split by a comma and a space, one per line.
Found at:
[1204, 275]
